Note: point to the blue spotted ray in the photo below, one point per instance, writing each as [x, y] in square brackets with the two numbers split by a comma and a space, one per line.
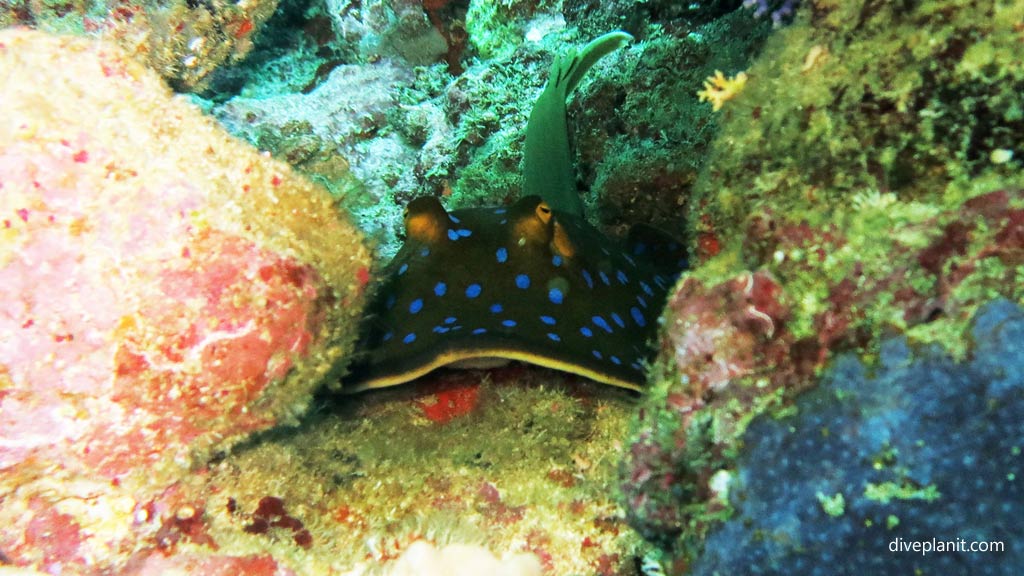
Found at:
[533, 281]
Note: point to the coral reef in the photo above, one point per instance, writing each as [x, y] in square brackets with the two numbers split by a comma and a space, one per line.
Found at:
[388, 29]
[517, 461]
[167, 292]
[778, 10]
[182, 40]
[422, 559]
[497, 29]
[861, 185]
[174, 296]
[678, 18]
[640, 134]
[331, 132]
[916, 448]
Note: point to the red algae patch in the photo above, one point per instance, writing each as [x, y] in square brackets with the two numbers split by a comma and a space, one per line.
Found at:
[165, 292]
[452, 399]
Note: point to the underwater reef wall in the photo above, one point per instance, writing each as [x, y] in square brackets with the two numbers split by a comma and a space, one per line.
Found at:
[866, 182]
[166, 292]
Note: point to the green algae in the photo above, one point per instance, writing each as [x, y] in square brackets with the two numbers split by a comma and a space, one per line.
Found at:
[887, 491]
[496, 28]
[834, 505]
[874, 131]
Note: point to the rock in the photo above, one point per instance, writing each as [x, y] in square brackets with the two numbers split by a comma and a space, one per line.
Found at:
[183, 40]
[875, 190]
[728, 359]
[918, 449]
[339, 119]
[422, 559]
[392, 29]
[166, 292]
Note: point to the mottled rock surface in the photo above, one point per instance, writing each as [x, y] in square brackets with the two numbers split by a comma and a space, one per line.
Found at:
[166, 291]
[918, 448]
[182, 40]
[864, 183]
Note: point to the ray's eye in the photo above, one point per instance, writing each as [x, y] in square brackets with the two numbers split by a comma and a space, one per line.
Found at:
[543, 212]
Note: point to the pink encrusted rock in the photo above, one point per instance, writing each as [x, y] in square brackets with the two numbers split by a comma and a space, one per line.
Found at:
[164, 292]
[724, 357]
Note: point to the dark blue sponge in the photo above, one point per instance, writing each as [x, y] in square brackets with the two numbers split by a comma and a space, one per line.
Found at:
[941, 440]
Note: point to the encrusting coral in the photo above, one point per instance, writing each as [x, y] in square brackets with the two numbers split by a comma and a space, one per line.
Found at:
[167, 291]
[859, 187]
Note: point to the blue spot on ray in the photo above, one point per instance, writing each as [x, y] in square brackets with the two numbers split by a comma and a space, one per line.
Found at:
[424, 252]
[618, 320]
[640, 300]
[440, 288]
[638, 316]
[589, 280]
[501, 255]
[387, 336]
[478, 331]
[604, 278]
[440, 329]
[453, 235]
[586, 332]
[615, 360]
[402, 269]
[496, 308]
[473, 290]
[646, 288]
[555, 295]
[554, 337]
[548, 320]
[464, 233]
[508, 323]
[416, 305]
[450, 320]
[454, 219]
[600, 323]
[597, 354]
[623, 279]
[556, 260]
[499, 210]
[409, 338]
[523, 281]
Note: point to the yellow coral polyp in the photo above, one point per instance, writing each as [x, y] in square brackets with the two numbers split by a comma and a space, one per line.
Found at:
[718, 89]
